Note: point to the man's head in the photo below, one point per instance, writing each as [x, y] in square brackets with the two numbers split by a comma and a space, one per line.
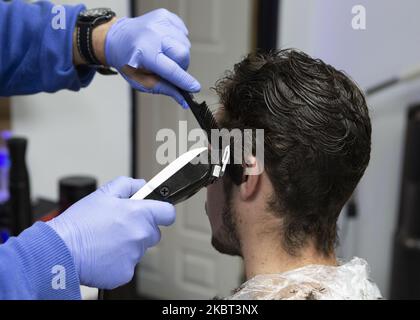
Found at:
[317, 138]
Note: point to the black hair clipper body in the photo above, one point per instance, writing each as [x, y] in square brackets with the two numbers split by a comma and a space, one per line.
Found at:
[184, 183]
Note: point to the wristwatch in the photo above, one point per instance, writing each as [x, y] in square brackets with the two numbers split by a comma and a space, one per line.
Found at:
[86, 22]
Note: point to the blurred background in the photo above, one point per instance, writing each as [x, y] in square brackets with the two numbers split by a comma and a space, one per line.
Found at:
[107, 130]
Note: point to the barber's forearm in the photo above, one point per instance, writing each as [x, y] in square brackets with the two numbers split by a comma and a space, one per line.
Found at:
[40, 59]
[98, 38]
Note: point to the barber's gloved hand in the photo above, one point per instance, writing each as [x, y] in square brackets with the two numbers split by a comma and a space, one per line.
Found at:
[107, 233]
[155, 43]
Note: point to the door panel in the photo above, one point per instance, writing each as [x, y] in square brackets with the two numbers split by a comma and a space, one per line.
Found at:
[184, 265]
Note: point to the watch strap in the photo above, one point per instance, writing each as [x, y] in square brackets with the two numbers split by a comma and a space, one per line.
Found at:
[85, 44]
[84, 34]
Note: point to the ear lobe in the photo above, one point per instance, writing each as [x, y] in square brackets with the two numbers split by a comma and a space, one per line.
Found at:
[249, 188]
[251, 182]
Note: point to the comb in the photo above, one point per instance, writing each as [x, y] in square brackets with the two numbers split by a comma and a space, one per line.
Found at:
[207, 122]
[202, 113]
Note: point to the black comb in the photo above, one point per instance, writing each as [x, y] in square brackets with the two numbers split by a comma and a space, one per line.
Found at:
[202, 114]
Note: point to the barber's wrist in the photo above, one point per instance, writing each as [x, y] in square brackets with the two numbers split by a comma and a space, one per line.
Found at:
[98, 41]
[99, 37]
[78, 60]
[65, 232]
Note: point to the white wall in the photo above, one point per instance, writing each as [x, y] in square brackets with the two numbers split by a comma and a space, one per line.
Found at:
[389, 44]
[77, 133]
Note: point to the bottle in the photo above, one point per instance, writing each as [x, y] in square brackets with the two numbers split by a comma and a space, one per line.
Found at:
[73, 189]
[20, 200]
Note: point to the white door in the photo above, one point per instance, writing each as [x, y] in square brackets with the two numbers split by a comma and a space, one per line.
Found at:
[184, 265]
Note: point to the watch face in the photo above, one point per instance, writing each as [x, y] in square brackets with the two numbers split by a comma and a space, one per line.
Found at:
[92, 14]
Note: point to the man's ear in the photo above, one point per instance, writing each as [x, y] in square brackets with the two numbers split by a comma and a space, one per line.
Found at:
[251, 183]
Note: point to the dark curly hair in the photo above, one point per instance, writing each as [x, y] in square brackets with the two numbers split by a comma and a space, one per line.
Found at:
[317, 138]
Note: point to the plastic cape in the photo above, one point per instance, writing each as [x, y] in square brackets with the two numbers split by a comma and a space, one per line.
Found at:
[347, 281]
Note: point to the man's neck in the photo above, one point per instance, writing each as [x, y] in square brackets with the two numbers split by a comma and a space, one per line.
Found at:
[263, 255]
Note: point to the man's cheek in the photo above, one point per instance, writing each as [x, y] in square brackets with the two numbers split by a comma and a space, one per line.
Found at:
[215, 204]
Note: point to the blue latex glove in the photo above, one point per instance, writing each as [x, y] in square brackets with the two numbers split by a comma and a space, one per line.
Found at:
[107, 233]
[156, 42]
